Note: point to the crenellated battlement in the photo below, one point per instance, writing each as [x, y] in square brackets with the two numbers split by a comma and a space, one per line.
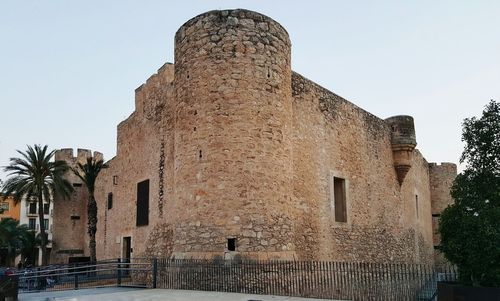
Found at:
[164, 76]
[67, 154]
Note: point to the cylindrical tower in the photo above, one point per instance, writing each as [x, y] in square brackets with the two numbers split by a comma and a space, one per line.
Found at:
[403, 142]
[233, 167]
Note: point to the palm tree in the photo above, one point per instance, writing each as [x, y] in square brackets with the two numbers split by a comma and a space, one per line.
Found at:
[88, 173]
[35, 176]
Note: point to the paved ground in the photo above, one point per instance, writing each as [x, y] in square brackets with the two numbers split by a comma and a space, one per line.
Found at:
[64, 295]
[131, 294]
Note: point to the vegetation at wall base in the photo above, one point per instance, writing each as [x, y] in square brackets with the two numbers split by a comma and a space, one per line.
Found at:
[470, 228]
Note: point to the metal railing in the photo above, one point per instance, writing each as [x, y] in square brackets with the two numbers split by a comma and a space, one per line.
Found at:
[316, 279]
[116, 272]
[326, 280]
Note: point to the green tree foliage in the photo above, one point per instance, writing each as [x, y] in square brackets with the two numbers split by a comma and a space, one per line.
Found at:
[88, 173]
[35, 176]
[470, 228]
[10, 238]
[30, 241]
[17, 239]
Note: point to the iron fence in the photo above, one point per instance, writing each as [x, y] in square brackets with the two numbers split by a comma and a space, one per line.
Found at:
[328, 280]
[314, 279]
[117, 272]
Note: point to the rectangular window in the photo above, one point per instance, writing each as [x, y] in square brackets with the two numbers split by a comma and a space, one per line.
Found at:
[115, 180]
[46, 208]
[142, 203]
[110, 200]
[435, 224]
[4, 206]
[231, 244]
[46, 224]
[32, 209]
[32, 223]
[416, 204]
[339, 200]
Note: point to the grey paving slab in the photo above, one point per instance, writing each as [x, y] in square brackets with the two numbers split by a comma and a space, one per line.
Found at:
[59, 295]
[158, 295]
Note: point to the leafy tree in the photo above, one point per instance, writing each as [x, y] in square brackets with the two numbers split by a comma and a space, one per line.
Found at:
[470, 228]
[30, 241]
[88, 173]
[10, 238]
[36, 176]
[17, 239]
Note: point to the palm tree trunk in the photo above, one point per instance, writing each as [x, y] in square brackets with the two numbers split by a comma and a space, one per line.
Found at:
[43, 235]
[92, 226]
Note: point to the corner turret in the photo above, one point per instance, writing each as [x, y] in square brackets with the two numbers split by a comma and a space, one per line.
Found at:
[403, 142]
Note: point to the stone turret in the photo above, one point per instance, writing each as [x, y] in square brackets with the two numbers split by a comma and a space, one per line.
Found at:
[233, 129]
[403, 142]
[70, 215]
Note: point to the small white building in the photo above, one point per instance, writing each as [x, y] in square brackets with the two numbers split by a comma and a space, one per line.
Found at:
[29, 216]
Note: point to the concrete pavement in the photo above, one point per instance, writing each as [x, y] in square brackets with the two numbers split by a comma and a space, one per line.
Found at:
[131, 294]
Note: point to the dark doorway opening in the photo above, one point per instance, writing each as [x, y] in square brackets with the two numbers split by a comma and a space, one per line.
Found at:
[127, 253]
[231, 244]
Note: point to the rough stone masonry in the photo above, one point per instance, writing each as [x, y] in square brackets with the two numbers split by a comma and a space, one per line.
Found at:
[230, 153]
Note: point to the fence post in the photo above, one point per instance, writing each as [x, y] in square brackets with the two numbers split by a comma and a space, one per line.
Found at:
[76, 280]
[118, 273]
[155, 271]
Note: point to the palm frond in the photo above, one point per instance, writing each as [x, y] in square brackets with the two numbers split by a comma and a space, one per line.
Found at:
[35, 175]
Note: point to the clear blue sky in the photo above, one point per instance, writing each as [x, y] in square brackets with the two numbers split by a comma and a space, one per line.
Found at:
[69, 68]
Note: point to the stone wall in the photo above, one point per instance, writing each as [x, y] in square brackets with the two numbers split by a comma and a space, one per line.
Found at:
[69, 228]
[441, 180]
[144, 152]
[232, 134]
[236, 146]
[333, 137]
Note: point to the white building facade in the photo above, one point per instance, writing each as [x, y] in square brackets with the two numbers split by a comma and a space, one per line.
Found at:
[29, 217]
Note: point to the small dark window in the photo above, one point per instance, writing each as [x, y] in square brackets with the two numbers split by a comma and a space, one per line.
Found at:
[32, 224]
[110, 200]
[416, 204]
[115, 180]
[46, 224]
[231, 244]
[200, 154]
[142, 217]
[46, 208]
[339, 198]
[77, 184]
[75, 217]
[4, 207]
[32, 209]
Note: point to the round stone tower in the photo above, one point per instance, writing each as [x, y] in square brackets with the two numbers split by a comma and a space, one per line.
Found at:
[233, 167]
[403, 142]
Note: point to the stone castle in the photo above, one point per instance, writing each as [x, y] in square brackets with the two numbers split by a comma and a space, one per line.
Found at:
[231, 153]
